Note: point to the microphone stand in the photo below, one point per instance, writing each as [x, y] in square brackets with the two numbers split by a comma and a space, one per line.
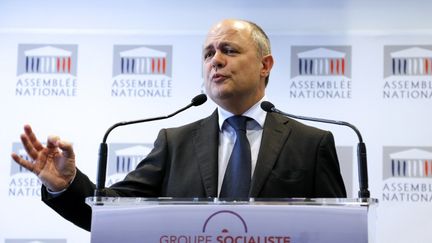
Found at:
[361, 147]
[100, 190]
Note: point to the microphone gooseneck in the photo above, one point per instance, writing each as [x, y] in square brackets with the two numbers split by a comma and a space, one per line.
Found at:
[361, 147]
[196, 101]
[103, 148]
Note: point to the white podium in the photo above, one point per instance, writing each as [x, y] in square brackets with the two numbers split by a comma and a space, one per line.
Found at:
[173, 220]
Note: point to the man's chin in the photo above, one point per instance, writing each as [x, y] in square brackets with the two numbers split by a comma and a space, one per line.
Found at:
[221, 95]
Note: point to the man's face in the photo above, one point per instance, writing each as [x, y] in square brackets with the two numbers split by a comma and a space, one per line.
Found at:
[232, 66]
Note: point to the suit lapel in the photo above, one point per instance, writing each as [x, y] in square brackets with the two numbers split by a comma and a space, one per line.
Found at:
[275, 132]
[206, 140]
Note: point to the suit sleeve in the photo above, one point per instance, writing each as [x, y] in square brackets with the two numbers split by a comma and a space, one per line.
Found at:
[144, 181]
[71, 203]
[329, 182]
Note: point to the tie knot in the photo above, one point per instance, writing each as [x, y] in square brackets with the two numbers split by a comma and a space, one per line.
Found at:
[238, 122]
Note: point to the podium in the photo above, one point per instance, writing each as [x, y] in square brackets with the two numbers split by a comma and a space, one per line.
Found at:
[195, 220]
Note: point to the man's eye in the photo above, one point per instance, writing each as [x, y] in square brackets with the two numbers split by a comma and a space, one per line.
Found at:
[208, 54]
[230, 51]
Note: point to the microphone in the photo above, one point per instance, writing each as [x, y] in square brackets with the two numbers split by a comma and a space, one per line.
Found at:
[361, 147]
[103, 148]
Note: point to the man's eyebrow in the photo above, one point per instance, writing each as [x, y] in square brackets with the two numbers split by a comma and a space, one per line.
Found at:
[220, 45]
[208, 47]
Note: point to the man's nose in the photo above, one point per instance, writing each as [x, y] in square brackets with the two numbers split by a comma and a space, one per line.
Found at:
[218, 60]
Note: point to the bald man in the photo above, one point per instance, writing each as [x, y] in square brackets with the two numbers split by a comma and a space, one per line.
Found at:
[287, 158]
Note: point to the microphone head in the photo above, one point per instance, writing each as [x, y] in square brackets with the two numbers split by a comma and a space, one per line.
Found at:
[267, 106]
[199, 100]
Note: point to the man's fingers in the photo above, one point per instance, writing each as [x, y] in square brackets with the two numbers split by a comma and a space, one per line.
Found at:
[67, 149]
[53, 142]
[28, 146]
[32, 137]
[23, 162]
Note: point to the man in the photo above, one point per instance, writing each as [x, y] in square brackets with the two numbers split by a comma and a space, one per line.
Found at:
[286, 158]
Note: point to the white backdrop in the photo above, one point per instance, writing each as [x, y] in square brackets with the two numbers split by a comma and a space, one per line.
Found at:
[60, 71]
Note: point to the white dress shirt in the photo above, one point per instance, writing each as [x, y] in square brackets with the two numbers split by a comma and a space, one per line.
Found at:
[227, 137]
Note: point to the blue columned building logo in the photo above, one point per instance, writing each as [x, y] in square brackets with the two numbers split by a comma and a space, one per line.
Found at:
[142, 71]
[47, 70]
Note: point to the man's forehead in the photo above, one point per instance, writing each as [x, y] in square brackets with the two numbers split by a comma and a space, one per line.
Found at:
[216, 40]
[230, 32]
[231, 24]
[229, 27]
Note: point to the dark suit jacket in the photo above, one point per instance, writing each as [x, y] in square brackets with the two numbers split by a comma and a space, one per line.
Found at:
[294, 160]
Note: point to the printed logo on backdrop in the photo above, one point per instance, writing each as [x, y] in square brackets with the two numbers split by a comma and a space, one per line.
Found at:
[142, 71]
[407, 174]
[346, 163]
[407, 72]
[225, 226]
[320, 72]
[22, 183]
[35, 241]
[47, 70]
[123, 158]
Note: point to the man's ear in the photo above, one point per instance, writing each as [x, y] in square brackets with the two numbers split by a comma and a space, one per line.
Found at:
[267, 64]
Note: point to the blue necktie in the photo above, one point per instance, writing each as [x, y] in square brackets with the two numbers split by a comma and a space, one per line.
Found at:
[237, 177]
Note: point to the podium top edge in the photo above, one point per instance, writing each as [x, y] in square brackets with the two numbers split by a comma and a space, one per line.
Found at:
[99, 201]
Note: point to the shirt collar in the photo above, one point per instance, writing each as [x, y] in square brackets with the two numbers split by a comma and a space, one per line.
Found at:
[255, 112]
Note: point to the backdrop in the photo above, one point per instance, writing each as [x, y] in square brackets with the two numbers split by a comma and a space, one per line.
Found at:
[74, 69]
